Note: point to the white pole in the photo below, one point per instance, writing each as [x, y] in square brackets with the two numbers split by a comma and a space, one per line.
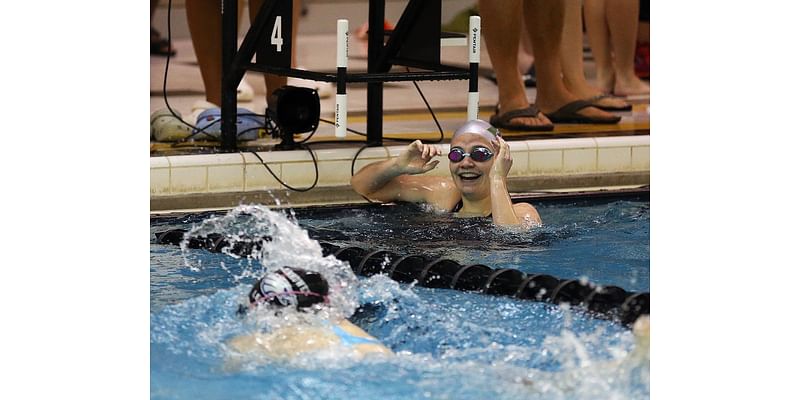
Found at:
[474, 50]
[342, 45]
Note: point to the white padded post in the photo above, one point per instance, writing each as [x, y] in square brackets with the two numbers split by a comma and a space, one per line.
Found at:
[474, 51]
[342, 45]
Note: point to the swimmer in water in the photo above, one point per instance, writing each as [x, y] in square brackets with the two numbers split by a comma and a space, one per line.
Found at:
[479, 163]
[303, 291]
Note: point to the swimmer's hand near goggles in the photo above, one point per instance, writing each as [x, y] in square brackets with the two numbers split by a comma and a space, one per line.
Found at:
[479, 154]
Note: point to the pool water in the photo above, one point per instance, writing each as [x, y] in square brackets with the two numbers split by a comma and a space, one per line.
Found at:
[446, 344]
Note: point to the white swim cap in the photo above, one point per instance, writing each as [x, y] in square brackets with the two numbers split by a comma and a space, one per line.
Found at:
[478, 127]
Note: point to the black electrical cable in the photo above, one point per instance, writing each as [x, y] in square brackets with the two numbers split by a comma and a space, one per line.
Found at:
[316, 171]
[402, 140]
[309, 136]
[405, 140]
[441, 132]
[348, 129]
[270, 128]
[166, 70]
[196, 131]
[352, 172]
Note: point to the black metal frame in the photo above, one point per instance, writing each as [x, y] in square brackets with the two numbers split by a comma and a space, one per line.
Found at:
[380, 59]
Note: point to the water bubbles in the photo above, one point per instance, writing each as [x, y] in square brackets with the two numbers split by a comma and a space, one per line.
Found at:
[276, 241]
[480, 346]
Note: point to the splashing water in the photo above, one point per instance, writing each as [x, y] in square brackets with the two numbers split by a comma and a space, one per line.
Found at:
[281, 243]
[447, 344]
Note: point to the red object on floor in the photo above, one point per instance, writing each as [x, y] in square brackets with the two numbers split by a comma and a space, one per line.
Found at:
[641, 60]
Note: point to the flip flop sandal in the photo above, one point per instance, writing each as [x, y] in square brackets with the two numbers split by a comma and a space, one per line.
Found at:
[596, 103]
[568, 114]
[209, 124]
[164, 127]
[503, 121]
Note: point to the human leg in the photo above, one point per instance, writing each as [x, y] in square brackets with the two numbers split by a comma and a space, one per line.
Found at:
[501, 25]
[525, 52]
[572, 62]
[546, 23]
[597, 31]
[623, 17]
[205, 27]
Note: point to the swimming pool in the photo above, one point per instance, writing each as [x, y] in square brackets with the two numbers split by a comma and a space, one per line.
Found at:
[447, 344]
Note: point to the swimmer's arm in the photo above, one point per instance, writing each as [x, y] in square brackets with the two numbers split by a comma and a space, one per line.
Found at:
[393, 180]
[506, 213]
[363, 348]
[285, 343]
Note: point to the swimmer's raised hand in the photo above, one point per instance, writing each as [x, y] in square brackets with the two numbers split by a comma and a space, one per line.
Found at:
[418, 158]
[503, 160]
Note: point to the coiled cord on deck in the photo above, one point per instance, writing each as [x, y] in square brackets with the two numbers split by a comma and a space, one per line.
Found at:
[602, 301]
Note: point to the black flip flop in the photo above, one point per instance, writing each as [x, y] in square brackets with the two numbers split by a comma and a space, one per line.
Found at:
[595, 103]
[503, 121]
[568, 114]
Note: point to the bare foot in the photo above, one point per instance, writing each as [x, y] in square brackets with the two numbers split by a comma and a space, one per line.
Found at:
[611, 102]
[630, 86]
[605, 81]
[583, 90]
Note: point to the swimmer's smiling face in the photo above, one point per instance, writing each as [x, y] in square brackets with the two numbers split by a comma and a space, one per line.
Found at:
[471, 177]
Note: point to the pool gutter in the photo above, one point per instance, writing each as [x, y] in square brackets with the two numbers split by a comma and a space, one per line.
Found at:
[545, 166]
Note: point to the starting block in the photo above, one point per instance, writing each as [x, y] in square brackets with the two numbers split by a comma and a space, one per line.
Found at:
[415, 42]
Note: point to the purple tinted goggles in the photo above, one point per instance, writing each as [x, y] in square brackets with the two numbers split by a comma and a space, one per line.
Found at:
[478, 154]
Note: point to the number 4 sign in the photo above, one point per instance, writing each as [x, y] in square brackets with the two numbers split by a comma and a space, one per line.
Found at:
[276, 38]
[277, 51]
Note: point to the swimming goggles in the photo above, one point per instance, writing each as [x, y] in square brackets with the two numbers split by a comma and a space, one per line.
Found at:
[478, 154]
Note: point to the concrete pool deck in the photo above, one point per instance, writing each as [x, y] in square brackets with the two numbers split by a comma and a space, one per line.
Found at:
[197, 177]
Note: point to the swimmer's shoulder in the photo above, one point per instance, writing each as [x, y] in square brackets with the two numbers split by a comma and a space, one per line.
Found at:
[447, 198]
[434, 190]
[286, 342]
[373, 346]
[290, 341]
[528, 213]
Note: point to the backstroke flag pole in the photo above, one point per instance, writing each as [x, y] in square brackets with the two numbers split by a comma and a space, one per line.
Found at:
[342, 44]
[474, 49]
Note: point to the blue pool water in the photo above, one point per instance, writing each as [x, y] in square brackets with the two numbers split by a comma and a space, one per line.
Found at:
[447, 344]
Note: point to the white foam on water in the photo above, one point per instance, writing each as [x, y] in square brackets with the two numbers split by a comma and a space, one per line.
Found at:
[617, 371]
[282, 243]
